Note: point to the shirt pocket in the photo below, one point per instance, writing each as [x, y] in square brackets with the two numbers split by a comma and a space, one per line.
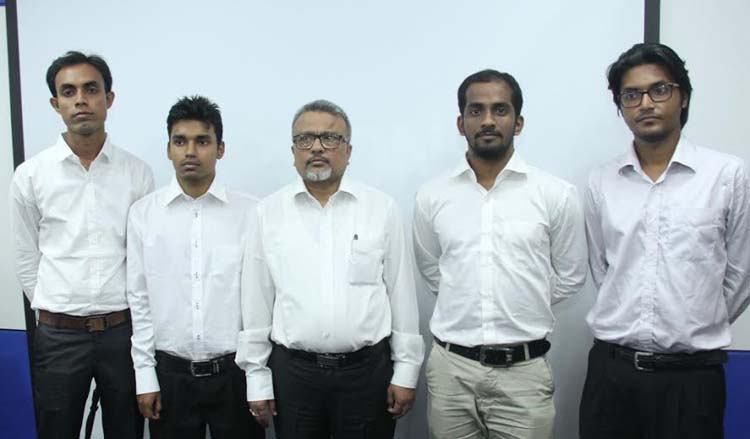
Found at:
[226, 261]
[365, 262]
[696, 234]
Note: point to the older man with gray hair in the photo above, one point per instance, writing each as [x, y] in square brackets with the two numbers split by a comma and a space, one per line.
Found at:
[331, 345]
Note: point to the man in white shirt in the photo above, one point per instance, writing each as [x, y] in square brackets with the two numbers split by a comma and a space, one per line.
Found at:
[68, 211]
[185, 244]
[668, 230]
[499, 242]
[328, 294]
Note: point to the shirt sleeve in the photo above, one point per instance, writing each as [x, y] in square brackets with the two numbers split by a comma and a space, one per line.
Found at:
[258, 294]
[24, 220]
[594, 235]
[426, 246]
[736, 283]
[568, 246]
[143, 342]
[407, 345]
[148, 182]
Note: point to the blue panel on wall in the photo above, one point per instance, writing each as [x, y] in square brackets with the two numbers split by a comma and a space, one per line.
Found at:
[736, 420]
[16, 404]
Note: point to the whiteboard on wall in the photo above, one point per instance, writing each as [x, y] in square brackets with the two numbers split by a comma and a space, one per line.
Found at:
[394, 66]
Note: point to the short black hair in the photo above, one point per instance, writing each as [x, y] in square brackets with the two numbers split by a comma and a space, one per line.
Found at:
[651, 53]
[73, 58]
[490, 75]
[196, 108]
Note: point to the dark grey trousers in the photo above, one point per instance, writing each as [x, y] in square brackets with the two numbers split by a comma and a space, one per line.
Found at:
[65, 362]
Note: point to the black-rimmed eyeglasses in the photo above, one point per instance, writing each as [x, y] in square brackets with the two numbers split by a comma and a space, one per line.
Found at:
[631, 98]
[327, 140]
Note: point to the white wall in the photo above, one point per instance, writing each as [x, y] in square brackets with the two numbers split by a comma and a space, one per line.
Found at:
[393, 66]
[11, 311]
[713, 38]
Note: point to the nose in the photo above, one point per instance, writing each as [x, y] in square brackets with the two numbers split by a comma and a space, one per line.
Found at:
[488, 121]
[81, 98]
[646, 101]
[190, 149]
[317, 145]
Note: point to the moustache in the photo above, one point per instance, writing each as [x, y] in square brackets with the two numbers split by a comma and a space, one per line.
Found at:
[317, 158]
[488, 133]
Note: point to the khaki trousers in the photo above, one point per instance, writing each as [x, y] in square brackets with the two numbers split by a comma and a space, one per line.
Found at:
[467, 400]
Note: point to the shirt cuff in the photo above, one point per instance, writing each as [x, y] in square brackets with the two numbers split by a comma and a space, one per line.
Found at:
[405, 375]
[259, 385]
[146, 381]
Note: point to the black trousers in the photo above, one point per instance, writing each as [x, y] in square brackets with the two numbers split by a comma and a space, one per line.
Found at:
[65, 361]
[344, 403]
[620, 402]
[190, 404]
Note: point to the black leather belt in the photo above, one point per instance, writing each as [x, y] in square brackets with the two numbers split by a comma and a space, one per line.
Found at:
[197, 369]
[499, 355]
[338, 360]
[650, 361]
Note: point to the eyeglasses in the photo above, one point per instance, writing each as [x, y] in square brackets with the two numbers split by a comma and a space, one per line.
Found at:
[657, 92]
[327, 140]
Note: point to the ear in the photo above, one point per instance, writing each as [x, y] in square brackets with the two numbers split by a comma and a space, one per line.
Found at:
[169, 151]
[685, 102]
[55, 104]
[220, 151]
[348, 151]
[460, 125]
[110, 99]
[519, 126]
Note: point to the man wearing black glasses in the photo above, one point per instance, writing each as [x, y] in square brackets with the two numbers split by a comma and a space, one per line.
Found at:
[668, 229]
[331, 343]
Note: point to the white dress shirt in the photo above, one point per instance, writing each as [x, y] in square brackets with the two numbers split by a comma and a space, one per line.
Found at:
[184, 261]
[498, 258]
[328, 279]
[69, 227]
[670, 258]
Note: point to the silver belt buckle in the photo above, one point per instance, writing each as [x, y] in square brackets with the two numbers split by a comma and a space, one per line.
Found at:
[636, 359]
[195, 365]
[495, 348]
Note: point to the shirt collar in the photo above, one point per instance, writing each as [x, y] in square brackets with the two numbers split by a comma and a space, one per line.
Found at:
[346, 186]
[684, 154]
[63, 150]
[516, 164]
[217, 190]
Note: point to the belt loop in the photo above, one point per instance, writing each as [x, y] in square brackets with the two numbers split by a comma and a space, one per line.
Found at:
[447, 346]
[526, 354]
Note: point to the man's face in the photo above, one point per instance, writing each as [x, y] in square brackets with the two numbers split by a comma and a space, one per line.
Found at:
[193, 150]
[81, 99]
[651, 121]
[489, 121]
[318, 163]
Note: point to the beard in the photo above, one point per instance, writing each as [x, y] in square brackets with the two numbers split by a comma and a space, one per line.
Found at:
[490, 152]
[316, 175]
